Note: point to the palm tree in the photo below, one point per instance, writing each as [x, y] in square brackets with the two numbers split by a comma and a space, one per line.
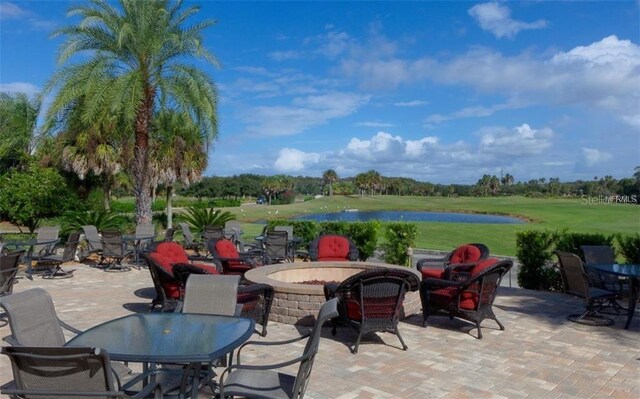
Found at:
[178, 153]
[330, 176]
[136, 52]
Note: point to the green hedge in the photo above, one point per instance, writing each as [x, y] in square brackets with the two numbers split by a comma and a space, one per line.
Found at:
[400, 236]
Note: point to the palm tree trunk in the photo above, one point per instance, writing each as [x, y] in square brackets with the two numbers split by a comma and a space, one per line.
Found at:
[169, 209]
[106, 189]
[142, 184]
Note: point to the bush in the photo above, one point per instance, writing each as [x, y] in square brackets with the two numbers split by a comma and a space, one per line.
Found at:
[365, 236]
[571, 242]
[630, 247]
[399, 236]
[74, 220]
[534, 250]
[158, 205]
[123, 207]
[303, 230]
[198, 218]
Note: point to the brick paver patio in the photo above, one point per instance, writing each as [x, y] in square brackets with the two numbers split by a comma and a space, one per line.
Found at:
[539, 355]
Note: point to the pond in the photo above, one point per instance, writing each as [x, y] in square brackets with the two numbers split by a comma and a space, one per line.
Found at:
[410, 216]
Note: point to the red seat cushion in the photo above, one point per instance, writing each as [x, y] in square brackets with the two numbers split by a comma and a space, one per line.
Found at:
[374, 308]
[468, 299]
[333, 248]
[465, 254]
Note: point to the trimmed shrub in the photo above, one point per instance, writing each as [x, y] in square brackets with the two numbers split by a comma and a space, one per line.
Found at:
[399, 236]
[571, 242]
[534, 250]
[630, 247]
[365, 236]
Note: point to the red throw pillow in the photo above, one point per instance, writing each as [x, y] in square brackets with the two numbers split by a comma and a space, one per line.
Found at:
[226, 249]
[465, 254]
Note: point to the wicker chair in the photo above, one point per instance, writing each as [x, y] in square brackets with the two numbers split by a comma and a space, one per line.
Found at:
[161, 260]
[54, 262]
[371, 300]
[468, 253]
[468, 292]
[576, 282]
[264, 381]
[233, 262]
[64, 372]
[254, 299]
[332, 247]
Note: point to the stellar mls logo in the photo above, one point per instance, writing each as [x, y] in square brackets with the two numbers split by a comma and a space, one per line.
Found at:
[609, 199]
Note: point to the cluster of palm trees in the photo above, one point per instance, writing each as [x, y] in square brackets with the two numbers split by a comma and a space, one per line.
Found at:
[273, 185]
[131, 102]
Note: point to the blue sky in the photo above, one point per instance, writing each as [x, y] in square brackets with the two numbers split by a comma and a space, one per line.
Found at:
[437, 91]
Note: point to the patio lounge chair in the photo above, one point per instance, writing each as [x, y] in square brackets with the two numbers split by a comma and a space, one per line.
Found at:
[64, 372]
[576, 282]
[333, 247]
[264, 381]
[54, 262]
[47, 239]
[371, 300]
[468, 253]
[145, 235]
[467, 292]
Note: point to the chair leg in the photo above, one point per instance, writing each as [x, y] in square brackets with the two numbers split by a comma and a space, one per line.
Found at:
[355, 347]
[479, 330]
[404, 346]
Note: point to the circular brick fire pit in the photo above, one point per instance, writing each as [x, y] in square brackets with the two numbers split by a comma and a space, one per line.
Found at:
[297, 303]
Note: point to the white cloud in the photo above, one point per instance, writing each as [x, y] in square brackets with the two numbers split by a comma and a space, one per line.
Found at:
[19, 87]
[592, 156]
[383, 147]
[496, 18]
[519, 141]
[285, 55]
[303, 113]
[12, 11]
[375, 124]
[414, 103]
[293, 160]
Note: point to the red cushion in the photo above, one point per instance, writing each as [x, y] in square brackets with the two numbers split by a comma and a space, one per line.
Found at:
[207, 268]
[333, 248]
[481, 266]
[374, 308]
[226, 249]
[167, 253]
[466, 254]
[432, 273]
[468, 300]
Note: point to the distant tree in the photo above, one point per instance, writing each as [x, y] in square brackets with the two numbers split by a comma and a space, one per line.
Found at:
[330, 176]
[18, 116]
[507, 180]
[29, 196]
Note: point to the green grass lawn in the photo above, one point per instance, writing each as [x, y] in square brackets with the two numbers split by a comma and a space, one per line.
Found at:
[571, 214]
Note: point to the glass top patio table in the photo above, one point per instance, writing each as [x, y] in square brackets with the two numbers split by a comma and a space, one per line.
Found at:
[626, 270]
[167, 337]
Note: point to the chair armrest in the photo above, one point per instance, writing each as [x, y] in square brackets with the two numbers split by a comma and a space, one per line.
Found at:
[437, 283]
[258, 287]
[271, 343]
[69, 327]
[430, 263]
[12, 341]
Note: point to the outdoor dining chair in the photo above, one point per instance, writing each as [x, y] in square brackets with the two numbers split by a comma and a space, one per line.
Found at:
[54, 262]
[64, 372]
[211, 294]
[576, 282]
[276, 247]
[47, 239]
[265, 381]
[114, 250]
[190, 241]
[145, 234]
[604, 254]
[8, 271]
[93, 241]
[371, 301]
[33, 322]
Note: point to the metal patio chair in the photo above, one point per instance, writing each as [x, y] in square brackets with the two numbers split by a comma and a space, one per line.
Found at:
[276, 247]
[8, 271]
[66, 372]
[264, 381]
[190, 241]
[576, 282]
[93, 240]
[54, 262]
[114, 250]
